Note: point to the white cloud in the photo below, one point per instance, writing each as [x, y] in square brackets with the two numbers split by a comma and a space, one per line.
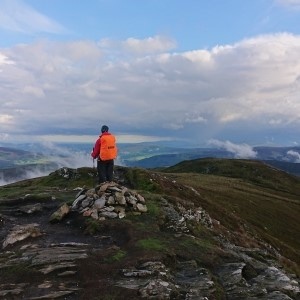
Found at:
[116, 50]
[6, 119]
[56, 157]
[15, 15]
[295, 155]
[194, 119]
[57, 88]
[4, 60]
[154, 44]
[239, 150]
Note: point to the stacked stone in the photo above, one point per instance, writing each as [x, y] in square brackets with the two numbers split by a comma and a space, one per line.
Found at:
[108, 201]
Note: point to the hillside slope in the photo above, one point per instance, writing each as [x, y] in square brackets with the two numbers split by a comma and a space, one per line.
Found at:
[261, 196]
[220, 229]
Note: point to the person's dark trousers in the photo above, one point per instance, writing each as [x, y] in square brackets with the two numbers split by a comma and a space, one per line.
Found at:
[105, 170]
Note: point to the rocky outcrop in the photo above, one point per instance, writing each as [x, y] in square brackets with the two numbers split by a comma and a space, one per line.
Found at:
[154, 280]
[38, 260]
[21, 232]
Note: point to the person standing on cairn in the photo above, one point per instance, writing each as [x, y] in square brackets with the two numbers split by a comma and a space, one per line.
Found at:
[105, 150]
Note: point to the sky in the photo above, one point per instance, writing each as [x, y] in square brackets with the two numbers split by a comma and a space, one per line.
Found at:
[196, 71]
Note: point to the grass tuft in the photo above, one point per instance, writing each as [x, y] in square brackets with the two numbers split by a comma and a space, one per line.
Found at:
[151, 244]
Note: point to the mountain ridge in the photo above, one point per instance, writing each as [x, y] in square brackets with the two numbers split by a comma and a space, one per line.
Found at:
[199, 230]
[18, 164]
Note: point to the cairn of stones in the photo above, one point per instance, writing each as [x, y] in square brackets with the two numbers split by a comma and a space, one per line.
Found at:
[108, 201]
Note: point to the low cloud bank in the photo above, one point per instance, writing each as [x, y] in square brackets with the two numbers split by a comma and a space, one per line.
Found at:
[55, 157]
[19, 173]
[238, 150]
[294, 155]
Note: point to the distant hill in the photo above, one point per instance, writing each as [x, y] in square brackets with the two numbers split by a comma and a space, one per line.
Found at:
[11, 157]
[174, 156]
[17, 164]
[278, 157]
[291, 168]
[21, 162]
[253, 171]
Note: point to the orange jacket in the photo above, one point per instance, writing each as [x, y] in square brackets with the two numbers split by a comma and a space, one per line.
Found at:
[105, 147]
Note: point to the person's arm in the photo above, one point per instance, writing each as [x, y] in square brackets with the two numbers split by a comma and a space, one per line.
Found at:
[96, 150]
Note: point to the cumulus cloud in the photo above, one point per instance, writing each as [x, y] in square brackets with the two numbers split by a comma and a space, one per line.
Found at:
[149, 45]
[239, 150]
[117, 50]
[4, 60]
[73, 87]
[15, 15]
[295, 155]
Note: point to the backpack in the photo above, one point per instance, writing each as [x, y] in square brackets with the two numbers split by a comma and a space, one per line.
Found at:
[108, 148]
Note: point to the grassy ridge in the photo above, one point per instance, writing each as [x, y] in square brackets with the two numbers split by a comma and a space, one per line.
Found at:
[255, 172]
[252, 201]
[263, 199]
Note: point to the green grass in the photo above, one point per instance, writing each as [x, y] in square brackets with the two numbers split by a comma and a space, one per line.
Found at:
[259, 210]
[57, 184]
[116, 257]
[140, 180]
[204, 251]
[152, 244]
[255, 172]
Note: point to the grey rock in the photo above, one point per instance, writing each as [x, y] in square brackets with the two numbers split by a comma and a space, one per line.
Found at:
[107, 214]
[100, 203]
[82, 191]
[30, 209]
[140, 198]
[157, 289]
[60, 213]
[94, 214]
[53, 295]
[120, 198]
[77, 201]
[60, 266]
[21, 232]
[12, 289]
[141, 207]
[111, 200]
[131, 200]
[87, 202]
